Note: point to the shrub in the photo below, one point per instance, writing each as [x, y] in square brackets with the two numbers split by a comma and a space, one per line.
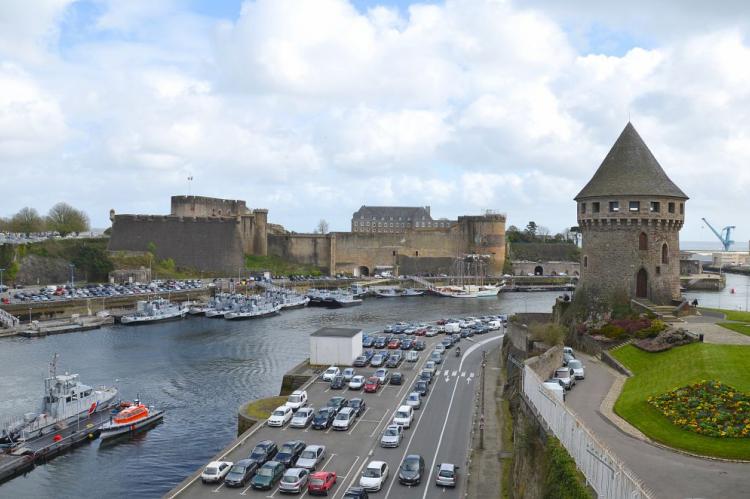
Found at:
[612, 331]
[562, 479]
[632, 325]
[550, 333]
[652, 331]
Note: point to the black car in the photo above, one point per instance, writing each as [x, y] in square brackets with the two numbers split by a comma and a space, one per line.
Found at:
[356, 493]
[420, 345]
[397, 378]
[407, 344]
[368, 341]
[422, 387]
[358, 405]
[411, 470]
[323, 418]
[289, 452]
[263, 451]
[425, 376]
[240, 473]
[360, 361]
[268, 475]
[447, 342]
[368, 354]
[393, 360]
[379, 342]
[337, 383]
[337, 403]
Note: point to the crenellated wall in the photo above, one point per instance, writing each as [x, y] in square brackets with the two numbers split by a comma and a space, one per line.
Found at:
[200, 206]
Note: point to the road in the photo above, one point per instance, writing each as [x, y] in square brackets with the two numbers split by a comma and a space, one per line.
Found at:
[440, 431]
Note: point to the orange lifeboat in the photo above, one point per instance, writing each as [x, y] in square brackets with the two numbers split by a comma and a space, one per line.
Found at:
[130, 419]
[131, 414]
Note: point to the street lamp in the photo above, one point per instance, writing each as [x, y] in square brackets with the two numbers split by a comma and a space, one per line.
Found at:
[72, 282]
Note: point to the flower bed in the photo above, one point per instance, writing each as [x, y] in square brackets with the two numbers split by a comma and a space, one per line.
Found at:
[708, 408]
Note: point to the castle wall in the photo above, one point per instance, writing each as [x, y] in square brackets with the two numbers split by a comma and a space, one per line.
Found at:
[208, 244]
[200, 206]
[307, 249]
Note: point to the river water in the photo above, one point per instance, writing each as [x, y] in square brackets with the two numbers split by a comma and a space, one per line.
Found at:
[199, 370]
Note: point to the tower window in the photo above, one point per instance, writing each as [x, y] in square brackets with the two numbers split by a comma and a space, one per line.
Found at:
[614, 206]
[634, 206]
[595, 206]
[664, 254]
[583, 207]
[682, 208]
[585, 261]
[670, 207]
[642, 241]
[655, 207]
[658, 270]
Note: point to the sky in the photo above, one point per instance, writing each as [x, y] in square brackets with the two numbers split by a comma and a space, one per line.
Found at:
[312, 108]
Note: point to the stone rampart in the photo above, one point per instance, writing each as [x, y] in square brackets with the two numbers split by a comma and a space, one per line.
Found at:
[200, 206]
[307, 249]
[205, 243]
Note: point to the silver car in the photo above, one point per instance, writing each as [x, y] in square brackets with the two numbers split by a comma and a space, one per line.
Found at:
[414, 400]
[302, 417]
[294, 480]
[446, 475]
[392, 436]
[311, 457]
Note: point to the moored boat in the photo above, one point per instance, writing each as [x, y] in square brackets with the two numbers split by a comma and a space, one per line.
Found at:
[131, 418]
[157, 310]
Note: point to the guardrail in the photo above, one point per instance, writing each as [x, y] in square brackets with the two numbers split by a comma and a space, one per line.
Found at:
[604, 471]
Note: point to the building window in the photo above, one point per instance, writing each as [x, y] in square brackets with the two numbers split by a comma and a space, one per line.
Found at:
[665, 254]
[355, 224]
[658, 270]
[416, 253]
[585, 261]
[655, 207]
[670, 207]
[634, 206]
[583, 207]
[614, 206]
[642, 241]
[682, 208]
[595, 206]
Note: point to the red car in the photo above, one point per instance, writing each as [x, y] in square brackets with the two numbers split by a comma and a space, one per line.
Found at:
[394, 344]
[441, 322]
[372, 384]
[421, 331]
[321, 482]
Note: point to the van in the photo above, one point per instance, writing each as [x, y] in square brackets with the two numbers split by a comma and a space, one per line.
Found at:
[555, 387]
[404, 416]
[494, 325]
[452, 327]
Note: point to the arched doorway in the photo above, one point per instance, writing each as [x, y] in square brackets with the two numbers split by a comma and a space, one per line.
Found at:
[641, 284]
[538, 270]
[364, 271]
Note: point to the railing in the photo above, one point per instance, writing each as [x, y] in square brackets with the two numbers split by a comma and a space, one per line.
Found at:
[606, 474]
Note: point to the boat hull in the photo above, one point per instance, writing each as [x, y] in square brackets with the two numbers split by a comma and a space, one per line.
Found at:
[110, 430]
[132, 321]
[238, 316]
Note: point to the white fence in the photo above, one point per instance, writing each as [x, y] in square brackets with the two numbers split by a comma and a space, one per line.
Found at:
[603, 470]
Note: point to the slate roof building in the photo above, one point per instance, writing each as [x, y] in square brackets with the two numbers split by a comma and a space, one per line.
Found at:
[395, 219]
[630, 214]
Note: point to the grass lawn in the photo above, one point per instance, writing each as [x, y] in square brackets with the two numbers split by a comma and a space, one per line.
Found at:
[733, 315]
[261, 409]
[736, 326]
[657, 373]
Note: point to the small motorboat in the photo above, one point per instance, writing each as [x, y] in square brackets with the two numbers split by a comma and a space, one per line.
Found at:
[131, 418]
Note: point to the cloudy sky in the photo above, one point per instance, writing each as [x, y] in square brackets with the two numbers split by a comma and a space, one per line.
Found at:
[312, 108]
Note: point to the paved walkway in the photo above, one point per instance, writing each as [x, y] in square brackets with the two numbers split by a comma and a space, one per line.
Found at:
[669, 474]
[713, 333]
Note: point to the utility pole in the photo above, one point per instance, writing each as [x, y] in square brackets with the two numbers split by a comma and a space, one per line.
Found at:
[481, 400]
[72, 277]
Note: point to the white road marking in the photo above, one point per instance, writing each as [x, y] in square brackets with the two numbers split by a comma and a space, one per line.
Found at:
[356, 458]
[328, 461]
[454, 373]
[217, 488]
[463, 374]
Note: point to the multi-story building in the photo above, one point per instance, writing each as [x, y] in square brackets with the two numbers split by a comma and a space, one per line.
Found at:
[396, 219]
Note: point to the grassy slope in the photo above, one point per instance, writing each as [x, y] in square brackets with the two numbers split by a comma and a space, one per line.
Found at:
[656, 373]
[735, 326]
[278, 266]
[733, 315]
[262, 408]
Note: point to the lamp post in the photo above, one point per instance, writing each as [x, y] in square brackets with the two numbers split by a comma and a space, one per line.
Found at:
[72, 279]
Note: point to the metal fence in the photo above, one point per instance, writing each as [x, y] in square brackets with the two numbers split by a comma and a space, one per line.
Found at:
[606, 474]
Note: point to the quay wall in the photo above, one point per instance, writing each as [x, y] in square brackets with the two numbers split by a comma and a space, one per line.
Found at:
[206, 244]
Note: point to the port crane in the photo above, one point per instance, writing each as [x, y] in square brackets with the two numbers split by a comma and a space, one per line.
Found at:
[725, 236]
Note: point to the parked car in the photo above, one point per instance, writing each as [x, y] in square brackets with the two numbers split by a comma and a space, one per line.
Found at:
[394, 344]
[302, 418]
[436, 357]
[297, 399]
[382, 375]
[404, 416]
[440, 347]
[374, 476]
[323, 418]
[577, 367]
[394, 360]
[311, 457]
[412, 356]
[447, 475]
[344, 419]
[268, 475]
[289, 452]
[377, 360]
[413, 400]
[215, 471]
[330, 373]
[357, 382]
[392, 436]
[294, 481]
[356, 493]
[337, 383]
[411, 470]
[425, 375]
[557, 388]
[422, 387]
[348, 374]
[280, 416]
[321, 482]
[358, 405]
[372, 384]
[240, 472]
[379, 342]
[420, 345]
[360, 361]
[397, 378]
[337, 403]
[565, 374]
[263, 451]
[430, 367]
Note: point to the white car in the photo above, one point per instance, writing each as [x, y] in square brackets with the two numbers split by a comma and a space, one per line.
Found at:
[215, 471]
[374, 476]
[577, 367]
[330, 373]
[404, 416]
[440, 348]
[430, 367]
[412, 356]
[431, 331]
[280, 416]
[555, 386]
[414, 400]
[302, 417]
[348, 374]
[297, 399]
[357, 382]
[344, 419]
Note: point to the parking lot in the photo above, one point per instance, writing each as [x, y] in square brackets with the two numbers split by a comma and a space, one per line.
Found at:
[439, 432]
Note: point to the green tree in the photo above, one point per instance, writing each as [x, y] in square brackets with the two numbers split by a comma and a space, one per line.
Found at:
[94, 261]
[531, 229]
[26, 221]
[4, 224]
[65, 219]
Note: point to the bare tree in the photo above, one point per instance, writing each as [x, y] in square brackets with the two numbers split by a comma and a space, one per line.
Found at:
[322, 227]
[26, 221]
[4, 224]
[543, 232]
[65, 219]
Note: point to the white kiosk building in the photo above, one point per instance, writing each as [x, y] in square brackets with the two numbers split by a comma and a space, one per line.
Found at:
[335, 346]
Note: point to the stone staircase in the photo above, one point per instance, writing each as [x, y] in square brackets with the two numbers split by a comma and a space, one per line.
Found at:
[666, 313]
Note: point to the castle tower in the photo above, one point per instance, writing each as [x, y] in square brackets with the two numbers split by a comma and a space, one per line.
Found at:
[630, 215]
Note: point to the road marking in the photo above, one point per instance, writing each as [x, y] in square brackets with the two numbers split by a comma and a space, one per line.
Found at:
[217, 488]
[463, 374]
[359, 470]
[377, 426]
[454, 373]
[448, 412]
[350, 468]
[328, 461]
[244, 492]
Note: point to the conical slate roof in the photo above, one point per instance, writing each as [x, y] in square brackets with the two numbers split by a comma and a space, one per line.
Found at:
[630, 170]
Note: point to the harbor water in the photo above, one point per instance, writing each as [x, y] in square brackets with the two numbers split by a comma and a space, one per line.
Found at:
[199, 371]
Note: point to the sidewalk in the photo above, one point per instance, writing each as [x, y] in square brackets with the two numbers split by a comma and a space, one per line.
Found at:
[712, 332]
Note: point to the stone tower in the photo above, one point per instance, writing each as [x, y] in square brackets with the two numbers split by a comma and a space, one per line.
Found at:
[630, 215]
